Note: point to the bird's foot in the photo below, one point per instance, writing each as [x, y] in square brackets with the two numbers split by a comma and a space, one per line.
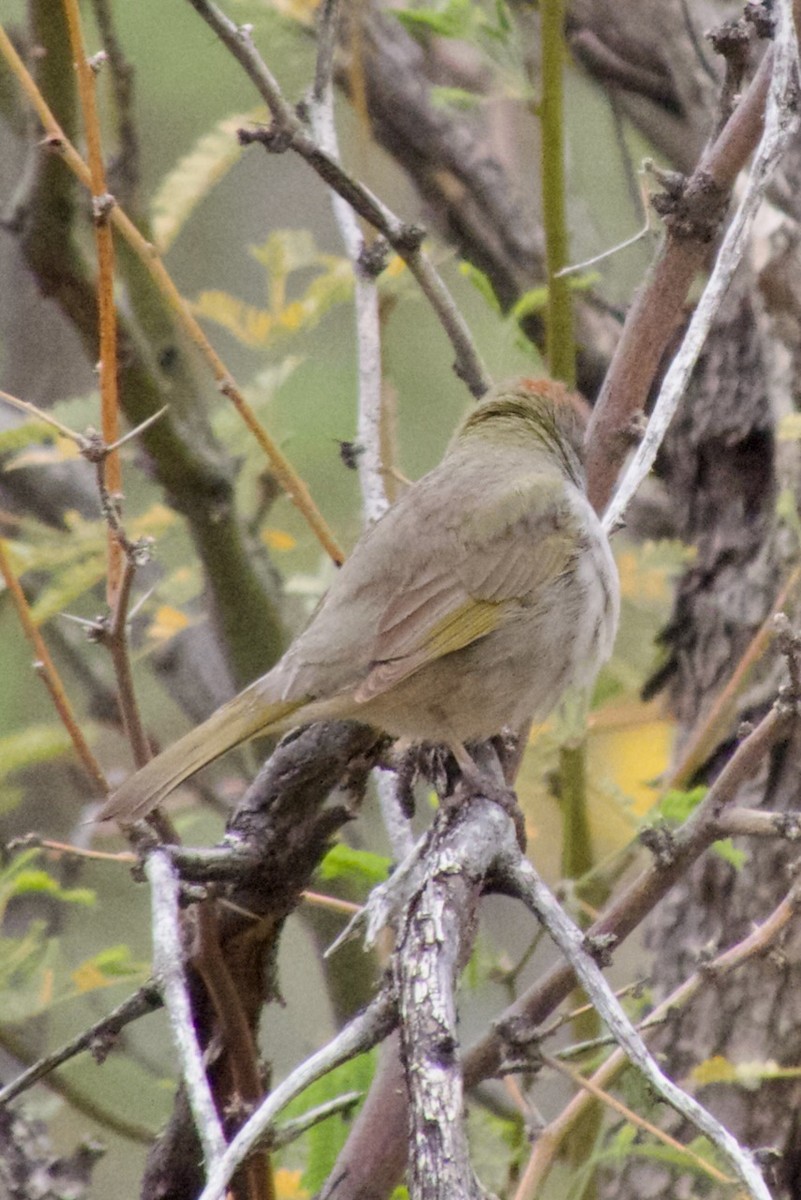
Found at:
[481, 776]
[479, 784]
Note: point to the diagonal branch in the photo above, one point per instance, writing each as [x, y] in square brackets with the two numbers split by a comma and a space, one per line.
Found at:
[288, 131]
[526, 884]
[780, 125]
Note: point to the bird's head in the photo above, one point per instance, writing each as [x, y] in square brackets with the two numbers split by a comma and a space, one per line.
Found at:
[539, 409]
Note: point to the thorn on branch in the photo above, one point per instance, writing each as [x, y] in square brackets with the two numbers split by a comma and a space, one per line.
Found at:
[691, 209]
[731, 40]
[275, 138]
[97, 62]
[759, 14]
[600, 946]
[522, 1040]
[373, 258]
[706, 962]
[409, 239]
[659, 839]
[789, 643]
[788, 825]
[634, 430]
[101, 208]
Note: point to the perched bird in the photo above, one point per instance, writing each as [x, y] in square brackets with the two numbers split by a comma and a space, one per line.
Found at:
[478, 598]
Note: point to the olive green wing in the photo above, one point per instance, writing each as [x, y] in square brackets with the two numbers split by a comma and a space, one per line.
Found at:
[493, 561]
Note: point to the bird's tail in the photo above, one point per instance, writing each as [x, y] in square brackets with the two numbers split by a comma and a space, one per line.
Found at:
[244, 717]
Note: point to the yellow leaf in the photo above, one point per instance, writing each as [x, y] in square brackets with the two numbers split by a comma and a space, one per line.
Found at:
[287, 1185]
[157, 518]
[713, 1070]
[747, 1074]
[630, 744]
[195, 174]
[250, 325]
[395, 267]
[167, 622]
[277, 539]
[46, 990]
[60, 451]
[789, 428]
[292, 316]
[87, 978]
[301, 11]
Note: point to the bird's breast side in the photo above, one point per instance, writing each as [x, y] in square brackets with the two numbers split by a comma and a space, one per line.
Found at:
[520, 670]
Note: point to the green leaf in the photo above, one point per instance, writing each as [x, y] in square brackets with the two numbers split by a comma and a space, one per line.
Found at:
[27, 434]
[66, 586]
[454, 19]
[727, 850]
[533, 301]
[40, 881]
[106, 968]
[676, 806]
[454, 97]
[20, 876]
[34, 744]
[325, 1140]
[359, 864]
[481, 283]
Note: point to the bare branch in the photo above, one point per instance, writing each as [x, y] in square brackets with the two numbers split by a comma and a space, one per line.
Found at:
[577, 949]
[168, 959]
[288, 131]
[363, 1032]
[98, 1039]
[781, 123]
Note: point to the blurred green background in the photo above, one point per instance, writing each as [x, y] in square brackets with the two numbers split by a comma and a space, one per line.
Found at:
[185, 84]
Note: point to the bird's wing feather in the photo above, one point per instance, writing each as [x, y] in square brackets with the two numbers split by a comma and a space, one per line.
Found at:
[505, 553]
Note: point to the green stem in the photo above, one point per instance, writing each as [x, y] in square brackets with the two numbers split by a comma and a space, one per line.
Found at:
[576, 842]
[560, 343]
[577, 859]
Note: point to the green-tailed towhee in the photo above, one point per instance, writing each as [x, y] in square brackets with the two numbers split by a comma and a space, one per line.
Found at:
[479, 597]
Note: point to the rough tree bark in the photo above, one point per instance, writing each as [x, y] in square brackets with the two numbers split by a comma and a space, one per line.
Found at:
[720, 467]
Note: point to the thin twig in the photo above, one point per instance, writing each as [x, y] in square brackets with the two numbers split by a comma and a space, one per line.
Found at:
[46, 669]
[288, 131]
[758, 942]
[168, 959]
[718, 720]
[290, 1131]
[634, 1118]
[98, 1039]
[286, 475]
[370, 464]
[571, 941]
[68, 850]
[780, 124]
[360, 1035]
[560, 341]
[368, 326]
[107, 312]
[27, 407]
[236, 1036]
[625, 912]
[126, 166]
